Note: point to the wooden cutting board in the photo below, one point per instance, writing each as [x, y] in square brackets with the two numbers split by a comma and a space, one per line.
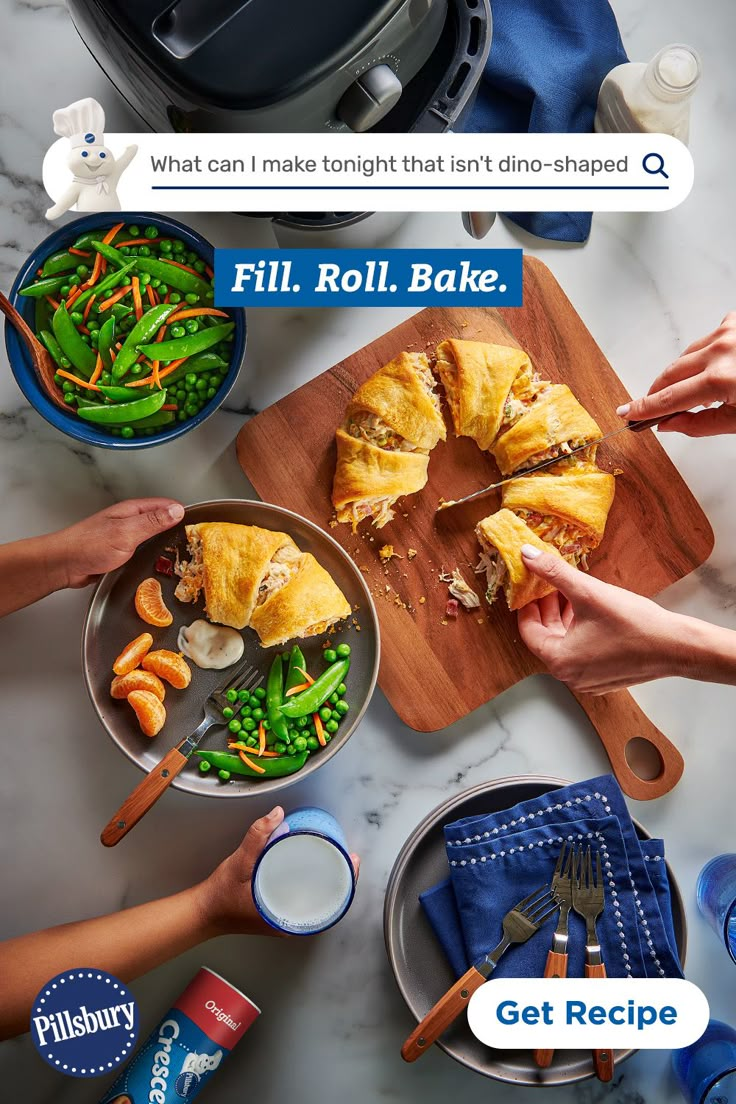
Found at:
[435, 670]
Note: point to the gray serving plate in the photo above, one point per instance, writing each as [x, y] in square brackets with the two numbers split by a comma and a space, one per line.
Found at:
[112, 621]
[421, 970]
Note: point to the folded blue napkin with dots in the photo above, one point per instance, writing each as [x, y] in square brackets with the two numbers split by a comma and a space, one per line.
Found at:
[547, 62]
[497, 860]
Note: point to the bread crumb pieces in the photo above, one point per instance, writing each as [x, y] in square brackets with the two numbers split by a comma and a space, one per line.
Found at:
[387, 553]
[422, 600]
[333, 523]
[618, 471]
[481, 620]
[411, 553]
[443, 622]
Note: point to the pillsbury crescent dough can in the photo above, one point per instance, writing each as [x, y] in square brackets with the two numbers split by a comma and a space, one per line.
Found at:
[189, 1045]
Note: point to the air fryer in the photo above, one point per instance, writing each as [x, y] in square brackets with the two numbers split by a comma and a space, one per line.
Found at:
[261, 66]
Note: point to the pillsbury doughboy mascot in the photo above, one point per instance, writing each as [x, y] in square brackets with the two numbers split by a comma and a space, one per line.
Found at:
[95, 168]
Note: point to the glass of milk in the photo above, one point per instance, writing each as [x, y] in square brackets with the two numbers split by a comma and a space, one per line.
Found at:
[303, 881]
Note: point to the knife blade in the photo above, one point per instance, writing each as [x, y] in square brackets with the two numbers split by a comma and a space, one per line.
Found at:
[634, 427]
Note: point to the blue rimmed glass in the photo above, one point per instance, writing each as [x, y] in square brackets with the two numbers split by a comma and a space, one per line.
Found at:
[716, 893]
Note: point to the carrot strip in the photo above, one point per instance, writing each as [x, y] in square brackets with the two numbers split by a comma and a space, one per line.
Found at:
[156, 374]
[119, 294]
[162, 375]
[298, 689]
[194, 312]
[97, 372]
[210, 272]
[151, 293]
[97, 269]
[83, 329]
[244, 747]
[72, 295]
[178, 264]
[307, 676]
[112, 232]
[39, 272]
[261, 738]
[88, 308]
[249, 763]
[52, 302]
[78, 252]
[137, 301]
[170, 406]
[320, 730]
[133, 241]
[76, 379]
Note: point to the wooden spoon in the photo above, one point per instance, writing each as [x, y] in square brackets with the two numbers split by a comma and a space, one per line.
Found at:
[40, 357]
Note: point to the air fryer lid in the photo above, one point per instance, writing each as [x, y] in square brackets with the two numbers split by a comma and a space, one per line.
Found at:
[246, 53]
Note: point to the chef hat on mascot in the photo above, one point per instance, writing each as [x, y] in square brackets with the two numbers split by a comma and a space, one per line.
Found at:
[82, 122]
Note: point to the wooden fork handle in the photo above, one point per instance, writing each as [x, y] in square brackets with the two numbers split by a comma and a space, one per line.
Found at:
[446, 1010]
[602, 1059]
[556, 967]
[146, 794]
[617, 719]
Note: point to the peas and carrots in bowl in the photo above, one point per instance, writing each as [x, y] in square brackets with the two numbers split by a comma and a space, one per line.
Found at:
[125, 307]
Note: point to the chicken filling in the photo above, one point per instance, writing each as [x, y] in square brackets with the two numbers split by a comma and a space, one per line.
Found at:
[280, 570]
[377, 508]
[371, 428]
[492, 566]
[566, 538]
[526, 388]
[556, 452]
[190, 572]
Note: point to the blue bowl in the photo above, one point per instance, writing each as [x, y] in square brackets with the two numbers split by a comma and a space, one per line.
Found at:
[20, 361]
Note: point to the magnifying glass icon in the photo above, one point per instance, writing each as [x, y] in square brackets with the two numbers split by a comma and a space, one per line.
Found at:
[653, 164]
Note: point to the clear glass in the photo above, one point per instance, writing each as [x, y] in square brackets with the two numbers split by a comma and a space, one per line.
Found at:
[706, 1070]
[716, 894]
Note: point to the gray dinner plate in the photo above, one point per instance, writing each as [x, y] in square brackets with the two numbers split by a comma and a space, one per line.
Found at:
[112, 622]
[421, 970]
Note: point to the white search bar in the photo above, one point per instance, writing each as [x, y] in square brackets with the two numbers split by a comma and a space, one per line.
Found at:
[387, 172]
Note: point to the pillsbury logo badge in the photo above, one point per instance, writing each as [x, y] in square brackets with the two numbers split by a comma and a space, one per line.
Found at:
[84, 1023]
[89, 138]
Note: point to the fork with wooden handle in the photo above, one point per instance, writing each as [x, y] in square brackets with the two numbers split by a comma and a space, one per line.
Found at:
[588, 899]
[147, 792]
[556, 966]
[519, 924]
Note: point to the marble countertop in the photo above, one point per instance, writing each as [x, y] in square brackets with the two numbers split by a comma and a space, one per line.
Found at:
[645, 285]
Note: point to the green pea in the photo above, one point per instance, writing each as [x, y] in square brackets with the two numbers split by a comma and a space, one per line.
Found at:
[163, 289]
[279, 748]
[145, 251]
[198, 265]
[312, 743]
[64, 289]
[341, 690]
[246, 711]
[175, 297]
[178, 331]
[329, 655]
[191, 325]
[216, 379]
[343, 651]
[333, 698]
[210, 393]
[258, 714]
[234, 725]
[180, 394]
[65, 363]
[181, 415]
[243, 696]
[70, 398]
[191, 298]
[67, 386]
[228, 713]
[223, 775]
[155, 282]
[74, 280]
[138, 369]
[105, 378]
[267, 724]
[127, 431]
[201, 384]
[331, 726]
[144, 277]
[325, 713]
[77, 318]
[191, 257]
[232, 696]
[124, 249]
[342, 707]
[302, 722]
[251, 741]
[93, 326]
[249, 724]
[150, 232]
[190, 380]
[82, 271]
[204, 766]
[300, 743]
[259, 693]
[178, 246]
[165, 245]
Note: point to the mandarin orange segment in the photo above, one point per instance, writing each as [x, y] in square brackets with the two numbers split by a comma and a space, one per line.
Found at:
[169, 666]
[149, 711]
[132, 654]
[150, 605]
[122, 685]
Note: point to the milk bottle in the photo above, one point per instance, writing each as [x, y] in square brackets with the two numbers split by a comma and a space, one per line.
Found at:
[650, 98]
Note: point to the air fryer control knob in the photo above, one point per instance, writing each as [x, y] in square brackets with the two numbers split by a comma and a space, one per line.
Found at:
[369, 98]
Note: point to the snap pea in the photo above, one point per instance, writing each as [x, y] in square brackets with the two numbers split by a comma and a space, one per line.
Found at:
[87, 240]
[42, 313]
[124, 413]
[59, 262]
[175, 277]
[105, 284]
[134, 343]
[274, 698]
[200, 362]
[294, 676]
[49, 286]
[273, 768]
[153, 421]
[105, 342]
[120, 394]
[110, 253]
[70, 340]
[52, 345]
[310, 700]
[186, 346]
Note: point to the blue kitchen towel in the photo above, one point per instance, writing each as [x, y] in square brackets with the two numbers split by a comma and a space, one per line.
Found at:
[547, 62]
[498, 859]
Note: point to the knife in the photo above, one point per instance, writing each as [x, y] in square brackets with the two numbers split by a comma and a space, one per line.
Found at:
[635, 427]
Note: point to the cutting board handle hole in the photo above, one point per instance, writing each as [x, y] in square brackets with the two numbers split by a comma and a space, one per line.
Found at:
[644, 759]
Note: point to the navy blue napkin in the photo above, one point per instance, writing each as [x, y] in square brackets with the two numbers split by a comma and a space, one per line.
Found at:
[498, 859]
[547, 62]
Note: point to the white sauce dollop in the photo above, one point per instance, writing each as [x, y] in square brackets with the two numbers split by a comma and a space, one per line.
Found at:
[212, 647]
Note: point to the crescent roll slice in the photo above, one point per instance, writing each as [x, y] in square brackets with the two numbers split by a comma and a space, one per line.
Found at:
[488, 387]
[500, 537]
[555, 424]
[391, 424]
[229, 563]
[569, 511]
[308, 603]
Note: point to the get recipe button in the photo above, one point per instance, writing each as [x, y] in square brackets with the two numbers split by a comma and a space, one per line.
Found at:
[368, 277]
[572, 1013]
